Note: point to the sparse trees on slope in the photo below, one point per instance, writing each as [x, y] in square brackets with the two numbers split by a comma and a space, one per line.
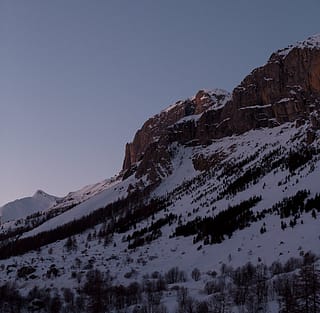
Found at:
[94, 289]
[308, 289]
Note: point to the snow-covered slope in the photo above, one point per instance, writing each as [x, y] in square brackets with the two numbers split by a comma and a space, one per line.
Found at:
[110, 193]
[78, 196]
[229, 180]
[26, 206]
[191, 194]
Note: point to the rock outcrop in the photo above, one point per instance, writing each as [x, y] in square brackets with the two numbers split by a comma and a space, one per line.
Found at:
[285, 89]
[157, 126]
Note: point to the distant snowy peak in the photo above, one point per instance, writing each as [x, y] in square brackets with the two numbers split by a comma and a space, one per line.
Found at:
[312, 42]
[40, 194]
[21, 208]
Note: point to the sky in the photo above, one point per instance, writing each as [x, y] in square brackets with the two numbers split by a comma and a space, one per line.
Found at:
[79, 77]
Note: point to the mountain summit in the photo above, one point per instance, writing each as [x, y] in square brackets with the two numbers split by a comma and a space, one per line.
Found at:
[26, 206]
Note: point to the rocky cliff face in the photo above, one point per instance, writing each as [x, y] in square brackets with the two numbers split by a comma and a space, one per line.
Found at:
[285, 89]
[157, 126]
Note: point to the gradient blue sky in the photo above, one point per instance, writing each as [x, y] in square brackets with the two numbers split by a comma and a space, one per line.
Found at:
[78, 78]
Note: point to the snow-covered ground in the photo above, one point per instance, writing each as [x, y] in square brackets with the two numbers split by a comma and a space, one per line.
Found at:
[199, 199]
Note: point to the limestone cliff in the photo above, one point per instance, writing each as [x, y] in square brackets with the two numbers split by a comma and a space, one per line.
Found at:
[285, 89]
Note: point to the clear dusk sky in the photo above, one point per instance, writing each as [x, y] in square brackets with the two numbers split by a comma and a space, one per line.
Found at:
[79, 77]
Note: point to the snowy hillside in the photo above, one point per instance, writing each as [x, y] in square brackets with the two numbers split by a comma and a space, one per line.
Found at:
[157, 242]
[217, 209]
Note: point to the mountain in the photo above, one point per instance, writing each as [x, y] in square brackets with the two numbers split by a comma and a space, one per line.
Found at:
[286, 89]
[21, 208]
[216, 209]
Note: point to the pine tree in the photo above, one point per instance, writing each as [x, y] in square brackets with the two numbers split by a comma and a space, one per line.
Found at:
[308, 289]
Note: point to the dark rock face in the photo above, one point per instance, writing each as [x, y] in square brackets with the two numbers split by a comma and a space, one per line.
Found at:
[157, 126]
[285, 89]
[286, 83]
[203, 163]
[152, 130]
